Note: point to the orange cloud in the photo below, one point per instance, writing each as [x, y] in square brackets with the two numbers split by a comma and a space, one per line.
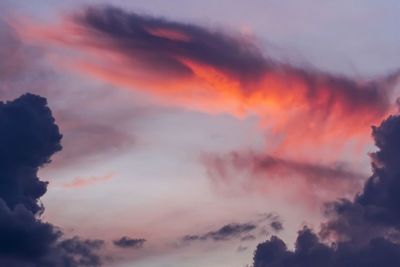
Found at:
[201, 69]
[79, 182]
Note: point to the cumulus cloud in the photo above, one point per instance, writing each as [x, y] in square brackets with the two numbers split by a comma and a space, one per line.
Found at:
[28, 138]
[127, 242]
[365, 230]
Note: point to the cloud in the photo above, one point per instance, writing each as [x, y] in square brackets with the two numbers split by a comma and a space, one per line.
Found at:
[83, 249]
[277, 226]
[79, 182]
[88, 137]
[250, 171]
[240, 231]
[127, 242]
[28, 138]
[215, 71]
[82, 117]
[16, 57]
[226, 232]
[241, 248]
[365, 230]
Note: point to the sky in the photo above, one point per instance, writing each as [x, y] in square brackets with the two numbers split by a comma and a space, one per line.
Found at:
[199, 133]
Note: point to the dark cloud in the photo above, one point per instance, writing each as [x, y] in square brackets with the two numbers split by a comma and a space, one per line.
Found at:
[28, 138]
[365, 230]
[376, 209]
[276, 225]
[161, 44]
[226, 232]
[82, 250]
[264, 223]
[229, 231]
[309, 251]
[240, 231]
[127, 242]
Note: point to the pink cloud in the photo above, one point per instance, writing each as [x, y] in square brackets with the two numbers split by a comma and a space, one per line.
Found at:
[79, 182]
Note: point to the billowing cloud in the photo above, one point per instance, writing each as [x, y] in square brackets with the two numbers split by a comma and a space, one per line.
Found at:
[365, 230]
[28, 138]
[215, 71]
[127, 242]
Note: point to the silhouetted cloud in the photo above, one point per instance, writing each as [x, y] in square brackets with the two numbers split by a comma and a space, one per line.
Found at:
[366, 230]
[241, 231]
[127, 242]
[224, 233]
[28, 138]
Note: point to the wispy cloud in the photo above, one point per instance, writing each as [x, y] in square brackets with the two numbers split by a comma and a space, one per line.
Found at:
[80, 182]
[215, 71]
[249, 171]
